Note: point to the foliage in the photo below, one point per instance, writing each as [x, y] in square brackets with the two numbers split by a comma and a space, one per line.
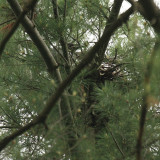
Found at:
[102, 118]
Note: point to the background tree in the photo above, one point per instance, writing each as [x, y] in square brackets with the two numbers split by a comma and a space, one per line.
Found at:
[77, 79]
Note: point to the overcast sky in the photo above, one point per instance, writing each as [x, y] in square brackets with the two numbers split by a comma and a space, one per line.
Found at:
[126, 5]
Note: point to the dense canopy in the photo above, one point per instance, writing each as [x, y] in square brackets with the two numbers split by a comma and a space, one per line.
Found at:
[79, 80]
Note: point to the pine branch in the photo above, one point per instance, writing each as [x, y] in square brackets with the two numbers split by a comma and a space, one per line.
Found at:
[44, 50]
[65, 54]
[26, 9]
[149, 11]
[145, 104]
[62, 38]
[115, 141]
[103, 13]
[7, 22]
[55, 9]
[36, 38]
[42, 47]
[8, 127]
[150, 6]
[54, 98]
[147, 145]
[10, 117]
[152, 13]
[112, 17]
[115, 11]
[65, 10]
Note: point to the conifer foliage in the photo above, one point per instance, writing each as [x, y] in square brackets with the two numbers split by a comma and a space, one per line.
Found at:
[79, 80]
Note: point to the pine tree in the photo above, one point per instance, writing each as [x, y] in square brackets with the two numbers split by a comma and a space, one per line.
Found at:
[79, 80]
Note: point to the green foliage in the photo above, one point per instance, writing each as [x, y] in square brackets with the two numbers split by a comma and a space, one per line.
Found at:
[104, 118]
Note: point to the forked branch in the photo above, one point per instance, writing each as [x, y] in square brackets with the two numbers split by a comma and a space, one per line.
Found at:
[54, 98]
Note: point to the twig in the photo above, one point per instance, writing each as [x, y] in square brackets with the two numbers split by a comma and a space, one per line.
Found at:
[8, 127]
[62, 38]
[132, 153]
[116, 50]
[7, 21]
[65, 10]
[115, 141]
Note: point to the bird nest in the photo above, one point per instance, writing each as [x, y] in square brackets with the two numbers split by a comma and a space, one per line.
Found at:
[110, 71]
